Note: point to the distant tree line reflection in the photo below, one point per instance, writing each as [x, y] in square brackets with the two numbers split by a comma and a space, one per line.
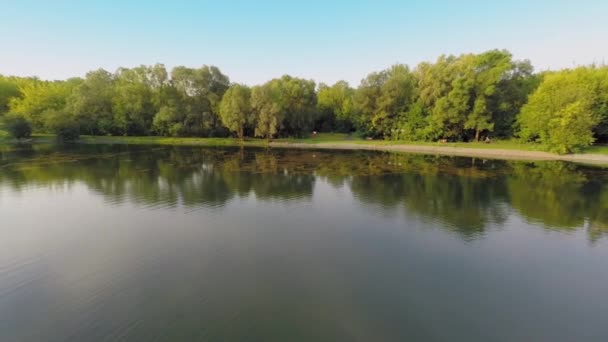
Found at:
[466, 195]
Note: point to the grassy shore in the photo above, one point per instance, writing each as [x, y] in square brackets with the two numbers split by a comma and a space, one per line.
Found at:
[325, 138]
[496, 149]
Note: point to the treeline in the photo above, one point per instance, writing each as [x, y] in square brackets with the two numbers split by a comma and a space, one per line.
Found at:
[456, 98]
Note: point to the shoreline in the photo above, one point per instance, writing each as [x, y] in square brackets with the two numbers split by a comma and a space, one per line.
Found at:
[491, 153]
[375, 145]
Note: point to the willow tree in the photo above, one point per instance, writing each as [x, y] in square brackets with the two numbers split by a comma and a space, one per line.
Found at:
[489, 69]
[264, 101]
[297, 100]
[201, 91]
[235, 109]
[382, 97]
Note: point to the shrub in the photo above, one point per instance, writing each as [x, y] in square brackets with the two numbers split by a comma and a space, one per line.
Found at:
[17, 126]
[65, 126]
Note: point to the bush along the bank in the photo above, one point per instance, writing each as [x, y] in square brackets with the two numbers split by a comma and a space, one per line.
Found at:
[470, 97]
[17, 126]
[65, 127]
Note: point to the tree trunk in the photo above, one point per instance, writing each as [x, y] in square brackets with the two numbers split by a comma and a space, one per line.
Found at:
[477, 135]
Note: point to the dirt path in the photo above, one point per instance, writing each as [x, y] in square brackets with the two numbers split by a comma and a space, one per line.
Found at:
[495, 153]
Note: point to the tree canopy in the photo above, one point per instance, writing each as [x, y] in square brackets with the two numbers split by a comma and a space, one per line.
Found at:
[235, 109]
[568, 111]
[456, 98]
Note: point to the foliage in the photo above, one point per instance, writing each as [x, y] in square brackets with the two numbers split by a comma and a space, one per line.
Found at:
[235, 109]
[456, 98]
[8, 89]
[17, 126]
[382, 97]
[511, 94]
[133, 102]
[167, 122]
[200, 92]
[410, 125]
[490, 67]
[38, 97]
[91, 103]
[335, 107]
[468, 95]
[297, 100]
[563, 112]
[265, 103]
[62, 124]
[571, 128]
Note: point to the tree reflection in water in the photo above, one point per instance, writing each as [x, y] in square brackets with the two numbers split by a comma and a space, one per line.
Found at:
[464, 194]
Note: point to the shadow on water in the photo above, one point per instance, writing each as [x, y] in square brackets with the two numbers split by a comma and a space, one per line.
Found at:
[465, 194]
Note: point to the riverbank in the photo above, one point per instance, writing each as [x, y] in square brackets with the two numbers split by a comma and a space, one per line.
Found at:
[496, 150]
[492, 153]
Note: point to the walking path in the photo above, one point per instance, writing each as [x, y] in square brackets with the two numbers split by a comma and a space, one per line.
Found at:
[496, 153]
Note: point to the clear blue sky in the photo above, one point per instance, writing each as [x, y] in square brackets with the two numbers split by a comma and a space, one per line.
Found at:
[253, 41]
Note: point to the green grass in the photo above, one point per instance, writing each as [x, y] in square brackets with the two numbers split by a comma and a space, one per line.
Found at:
[170, 141]
[319, 138]
[496, 144]
[323, 138]
[337, 138]
[600, 149]
[36, 138]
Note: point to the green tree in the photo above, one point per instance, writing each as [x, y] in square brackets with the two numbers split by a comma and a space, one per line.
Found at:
[202, 90]
[411, 125]
[235, 109]
[335, 107]
[511, 94]
[382, 97]
[464, 96]
[64, 125]
[434, 84]
[571, 128]
[600, 130]
[489, 68]
[39, 97]
[17, 126]
[297, 100]
[8, 90]
[168, 122]
[172, 113]
[133, 104]
[565, 109]
[91, 103]
[265, 104]
[452, 101]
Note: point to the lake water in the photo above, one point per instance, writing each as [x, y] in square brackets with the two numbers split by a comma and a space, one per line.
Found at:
[149, 243]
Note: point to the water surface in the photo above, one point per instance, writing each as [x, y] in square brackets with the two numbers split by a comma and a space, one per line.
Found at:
[148, 243]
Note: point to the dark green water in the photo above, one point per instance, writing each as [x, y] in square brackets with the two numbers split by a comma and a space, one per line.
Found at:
[117, 243]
